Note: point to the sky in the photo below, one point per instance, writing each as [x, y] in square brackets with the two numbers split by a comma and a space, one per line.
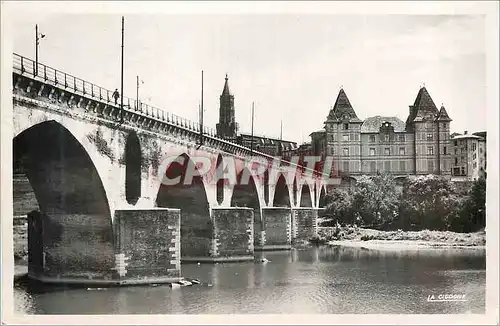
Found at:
[291, 65]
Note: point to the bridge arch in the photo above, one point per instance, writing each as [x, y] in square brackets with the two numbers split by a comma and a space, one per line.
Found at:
[220, 182]
[245, 194]
[322, 197]
[133, 159]
[282, 193]
[188, 193]
[74, 218]
[305, 199]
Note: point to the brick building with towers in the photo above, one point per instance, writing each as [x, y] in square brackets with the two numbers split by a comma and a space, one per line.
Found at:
[419, 146]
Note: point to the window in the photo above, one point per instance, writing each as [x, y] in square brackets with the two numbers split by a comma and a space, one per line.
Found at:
[346, 151]
[402, 151]
[455, 143]
[386, 138]
[473, 146]
[443, 125]
[463, 170]
[372, 151]
[387, 166]
[474, 165]
[345, 137]
[456, 171]
[373, 167]
[481, 150]
[456, 160]
[372, 138]
[444, 150]
[331, 137]
[402, 138]
[402, 166]
[474, 156]
[334, 127]
[346, 166]
[346, 126]
[456, 151]
[430, 150]
[430, 166]
[429, 136]
[387, 151]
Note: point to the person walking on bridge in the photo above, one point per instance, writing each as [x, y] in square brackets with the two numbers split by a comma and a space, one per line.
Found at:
[116, 95]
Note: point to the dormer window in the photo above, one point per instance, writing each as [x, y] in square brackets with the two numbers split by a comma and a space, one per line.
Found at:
[386, 138]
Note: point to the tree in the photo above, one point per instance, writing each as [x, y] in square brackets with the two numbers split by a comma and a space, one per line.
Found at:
[376, 199]
[339, 206]
[472, 215]
[428, 202]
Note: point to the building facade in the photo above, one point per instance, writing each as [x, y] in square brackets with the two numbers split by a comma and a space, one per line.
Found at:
[468, 156]
[228, 129]
[419, 146]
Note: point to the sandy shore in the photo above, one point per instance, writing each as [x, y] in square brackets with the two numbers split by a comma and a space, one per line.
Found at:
[394, 245]
[400, 240]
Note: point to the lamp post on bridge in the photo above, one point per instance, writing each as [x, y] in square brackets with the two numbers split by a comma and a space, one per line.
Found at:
[137, 93]
[38, 36]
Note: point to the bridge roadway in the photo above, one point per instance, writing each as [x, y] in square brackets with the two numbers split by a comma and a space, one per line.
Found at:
[106, 216]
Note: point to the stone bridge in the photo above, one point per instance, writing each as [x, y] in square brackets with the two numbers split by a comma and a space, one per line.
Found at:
[105, 214]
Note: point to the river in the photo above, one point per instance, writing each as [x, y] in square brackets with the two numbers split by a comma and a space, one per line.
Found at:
[323, 280]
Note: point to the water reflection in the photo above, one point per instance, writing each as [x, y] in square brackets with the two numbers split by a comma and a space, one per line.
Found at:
[315, 280]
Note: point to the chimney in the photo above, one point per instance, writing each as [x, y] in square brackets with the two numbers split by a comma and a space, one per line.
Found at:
[465, 132]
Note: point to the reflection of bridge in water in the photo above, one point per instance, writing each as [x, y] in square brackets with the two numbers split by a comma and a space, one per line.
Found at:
[104, 213]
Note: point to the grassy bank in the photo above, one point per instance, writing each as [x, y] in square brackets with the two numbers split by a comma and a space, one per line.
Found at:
[404, 238]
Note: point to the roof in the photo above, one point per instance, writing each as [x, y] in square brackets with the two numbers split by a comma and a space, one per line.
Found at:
[342, 109]
[266, 139]
[467, 136]
[423, 108]
[317, 132]
[372, 124]
[480, 133]
[443, 115]
[226, 91]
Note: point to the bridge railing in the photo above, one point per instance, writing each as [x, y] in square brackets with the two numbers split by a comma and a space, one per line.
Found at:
[26, 66]
[72, 83]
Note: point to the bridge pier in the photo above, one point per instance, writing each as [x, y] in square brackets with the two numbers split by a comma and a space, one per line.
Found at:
[232, 236]
[274, 232]
[147, 245]
[79, 248]
[304, 223]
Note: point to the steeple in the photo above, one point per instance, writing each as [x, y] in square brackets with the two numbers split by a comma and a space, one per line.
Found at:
[227, 127]
[342, 109]
[225, 91]
[443, 115]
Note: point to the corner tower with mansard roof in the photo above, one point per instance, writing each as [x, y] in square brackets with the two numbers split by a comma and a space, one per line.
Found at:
[227, 127]
[431, 135]
[343, 128]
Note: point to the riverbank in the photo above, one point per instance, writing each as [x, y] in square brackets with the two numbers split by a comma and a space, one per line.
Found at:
[387, 240]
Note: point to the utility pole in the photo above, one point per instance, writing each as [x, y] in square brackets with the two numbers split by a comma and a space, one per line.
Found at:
[121, 86]
[201, 113]
[280, 149]
[37, 42]
[251, 144]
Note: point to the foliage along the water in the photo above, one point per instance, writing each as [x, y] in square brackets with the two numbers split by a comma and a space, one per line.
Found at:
[425, 202]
